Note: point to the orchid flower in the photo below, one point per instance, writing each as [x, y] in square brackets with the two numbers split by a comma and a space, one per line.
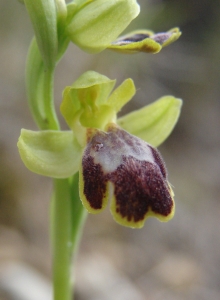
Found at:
[116, 158]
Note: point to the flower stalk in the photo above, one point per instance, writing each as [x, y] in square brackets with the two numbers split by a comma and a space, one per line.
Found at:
[67, 219]
[61, 240]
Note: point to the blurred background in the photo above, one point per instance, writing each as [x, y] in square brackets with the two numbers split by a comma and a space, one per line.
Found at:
[174, 261]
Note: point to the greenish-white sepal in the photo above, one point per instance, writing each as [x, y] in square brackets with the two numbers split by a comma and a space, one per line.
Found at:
[100, 22]
[122, 95]
[153, 123]
[50, 153]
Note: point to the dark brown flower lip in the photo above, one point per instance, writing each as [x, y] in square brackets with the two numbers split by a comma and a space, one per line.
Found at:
[134, 169]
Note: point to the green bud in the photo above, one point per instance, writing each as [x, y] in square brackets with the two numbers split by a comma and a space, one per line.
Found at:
[44, 19]
[98, 23]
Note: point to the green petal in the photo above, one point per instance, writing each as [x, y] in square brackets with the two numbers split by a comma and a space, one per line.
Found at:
[144, 41]
[122, 95]
[154, 122]
[50, 153]
[100, 22]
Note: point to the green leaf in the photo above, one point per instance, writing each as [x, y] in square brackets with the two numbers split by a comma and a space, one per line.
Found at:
[50, 153]
[154, 122]
[100, 22]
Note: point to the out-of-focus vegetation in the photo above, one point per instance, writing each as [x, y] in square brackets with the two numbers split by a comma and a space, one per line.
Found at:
[178, 260]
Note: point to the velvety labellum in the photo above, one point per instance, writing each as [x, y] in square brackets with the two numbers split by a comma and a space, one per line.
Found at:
[130, 173]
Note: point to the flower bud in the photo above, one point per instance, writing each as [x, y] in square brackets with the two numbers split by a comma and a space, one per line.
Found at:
[98, 23]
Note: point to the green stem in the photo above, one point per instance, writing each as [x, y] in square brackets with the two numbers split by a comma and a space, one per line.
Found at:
[67, 215]
[61, 240]
[51, 118]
